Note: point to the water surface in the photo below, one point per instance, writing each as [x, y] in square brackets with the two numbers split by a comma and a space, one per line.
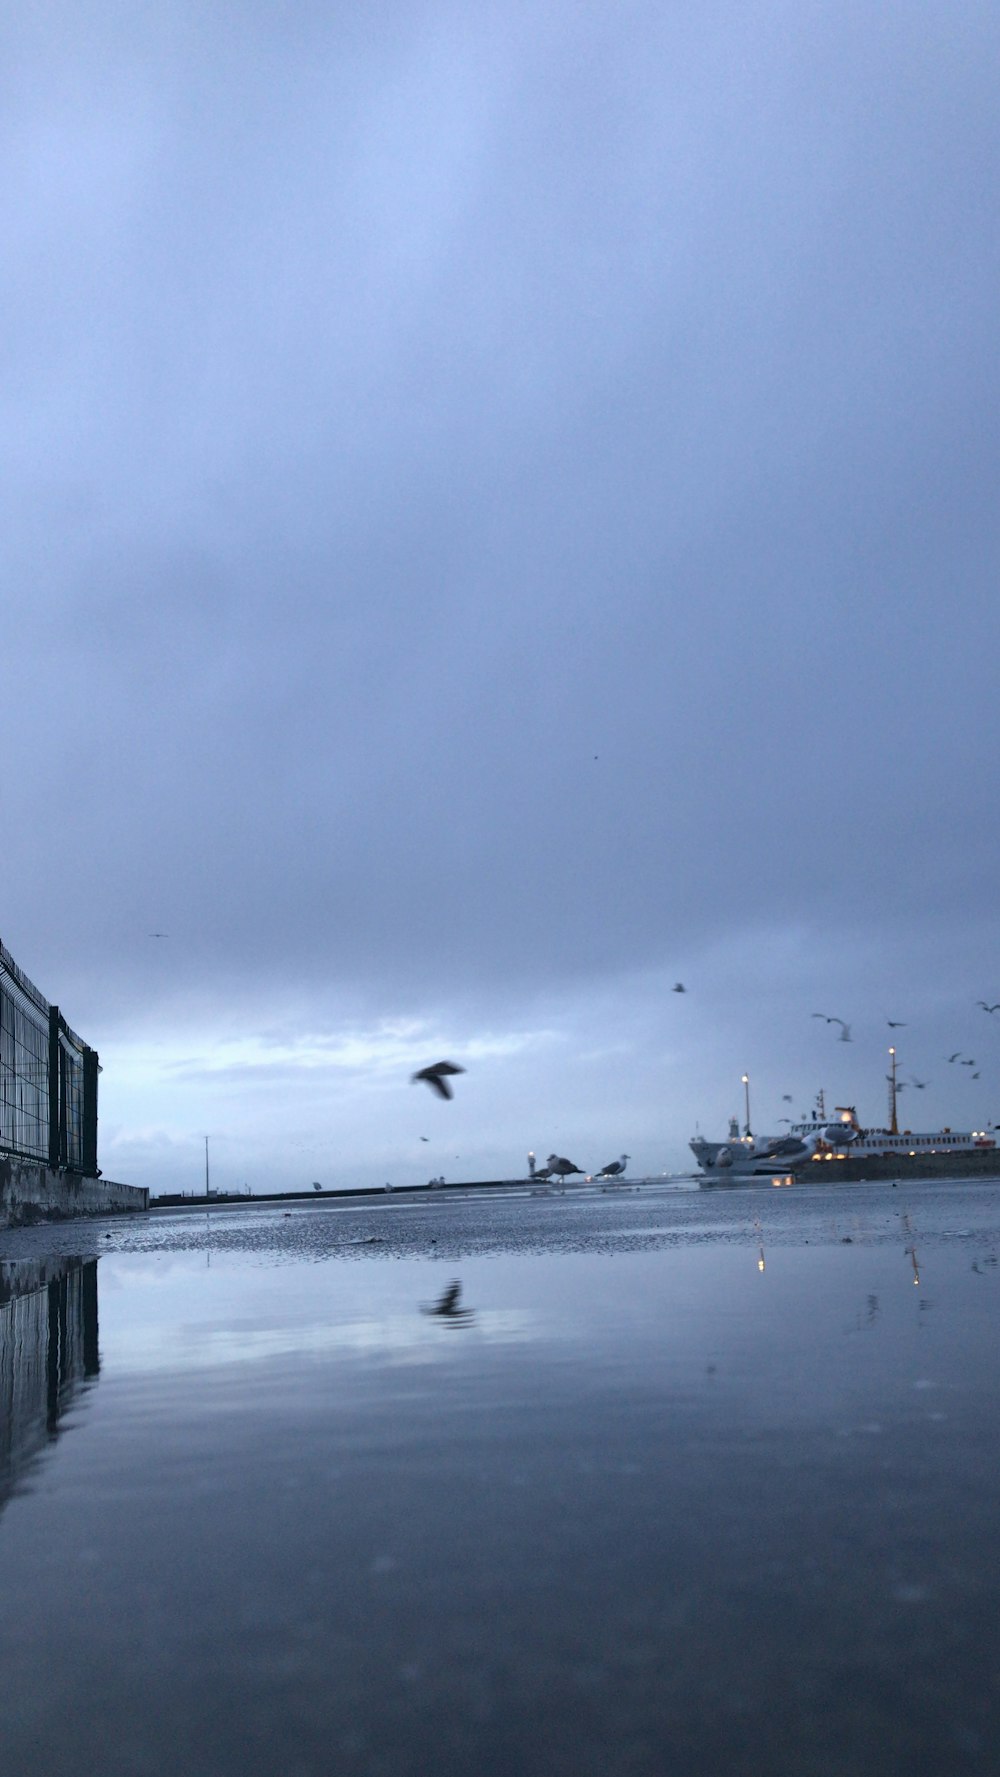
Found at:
[691, 1483]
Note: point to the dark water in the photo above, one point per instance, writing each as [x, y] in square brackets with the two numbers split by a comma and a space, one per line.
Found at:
[691, 1484]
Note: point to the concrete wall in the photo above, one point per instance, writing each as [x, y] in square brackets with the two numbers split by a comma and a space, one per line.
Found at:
[30, 1191]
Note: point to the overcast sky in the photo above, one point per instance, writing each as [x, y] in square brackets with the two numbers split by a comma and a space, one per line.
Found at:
[499, 516]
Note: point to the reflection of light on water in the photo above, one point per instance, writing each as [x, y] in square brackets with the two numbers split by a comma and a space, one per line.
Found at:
[911, 1253]
[400, 1338]
[760, 1261]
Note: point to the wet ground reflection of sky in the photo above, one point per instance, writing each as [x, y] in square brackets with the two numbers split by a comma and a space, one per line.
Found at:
[647, 1504]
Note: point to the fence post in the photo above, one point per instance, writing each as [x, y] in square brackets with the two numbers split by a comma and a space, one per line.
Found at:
[90, 1070]
[54, 1093]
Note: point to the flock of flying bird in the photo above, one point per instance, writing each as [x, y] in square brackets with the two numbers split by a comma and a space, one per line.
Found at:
[898, 1024]
[438, 1077]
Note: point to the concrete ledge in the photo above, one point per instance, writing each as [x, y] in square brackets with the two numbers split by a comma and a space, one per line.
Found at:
[30, 1192]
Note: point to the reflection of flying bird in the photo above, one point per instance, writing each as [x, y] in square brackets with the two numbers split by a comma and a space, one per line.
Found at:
[447, 1304]
[614, 1169]
[435, 1075]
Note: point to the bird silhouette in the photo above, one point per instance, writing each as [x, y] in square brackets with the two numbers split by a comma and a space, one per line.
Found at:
[614, 1168]
[678, 987]
[974, 1076]
[786, 1098]
[845, 1030]
[447, 1304]
[895, 1024]
[953, 1057]
[919, 1084]
[967, 1064]
[987, 1008]
[436, 1077]
[559, 1164]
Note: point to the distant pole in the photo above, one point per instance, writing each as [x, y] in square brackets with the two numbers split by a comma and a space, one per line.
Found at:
[206, 1166]
[746, 1101]
[893, 1125]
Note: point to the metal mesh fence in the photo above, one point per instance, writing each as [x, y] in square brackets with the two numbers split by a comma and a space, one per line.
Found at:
[48, 1078]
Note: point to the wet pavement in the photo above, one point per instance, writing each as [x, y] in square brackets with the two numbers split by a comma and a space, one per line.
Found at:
[674, 1481]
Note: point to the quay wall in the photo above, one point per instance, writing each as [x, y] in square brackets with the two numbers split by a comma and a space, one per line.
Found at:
[31, 1191]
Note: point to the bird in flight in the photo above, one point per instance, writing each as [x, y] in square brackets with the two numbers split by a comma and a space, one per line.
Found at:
[159, 934]
[786, 1098]
[436, 1077]
[974, 1076]
[678, 987]
[968, 1064]
[845, 1029]
[919, 1084]
[895, 1024]
[955, 1056]
[987, 1008]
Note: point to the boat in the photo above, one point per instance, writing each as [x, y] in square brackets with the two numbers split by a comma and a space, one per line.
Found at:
[838, 1148]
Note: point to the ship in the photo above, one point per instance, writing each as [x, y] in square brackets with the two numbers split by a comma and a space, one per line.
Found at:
[830, 1150]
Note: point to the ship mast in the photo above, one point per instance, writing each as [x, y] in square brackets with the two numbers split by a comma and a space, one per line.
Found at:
[893, 1125]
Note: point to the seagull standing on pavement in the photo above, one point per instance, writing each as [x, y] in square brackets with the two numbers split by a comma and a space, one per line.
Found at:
[614, 1168]
[559, 1164]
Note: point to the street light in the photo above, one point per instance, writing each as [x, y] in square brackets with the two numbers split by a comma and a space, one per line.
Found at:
[746, 1100]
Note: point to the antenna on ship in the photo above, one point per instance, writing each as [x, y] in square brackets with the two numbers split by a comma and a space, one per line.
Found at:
[893, 1125]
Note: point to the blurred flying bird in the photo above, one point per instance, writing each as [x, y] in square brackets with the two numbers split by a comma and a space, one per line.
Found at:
[424, 1138]
[435, 1075]
[919, 1084]
[614, 1168]
[974, 1076]
[786, 1098]
[895, 1024]
[953, 1057]
[159, 934]
[845, 1029]
[987, 1008]
[447, 1304]
[967, 1064]
[678, 987]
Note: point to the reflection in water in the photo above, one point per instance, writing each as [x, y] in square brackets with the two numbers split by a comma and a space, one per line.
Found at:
[911, 1253]
[48, 1345]
[447, 1304]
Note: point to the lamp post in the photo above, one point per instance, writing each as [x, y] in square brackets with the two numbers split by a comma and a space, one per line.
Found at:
[746, 1101]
